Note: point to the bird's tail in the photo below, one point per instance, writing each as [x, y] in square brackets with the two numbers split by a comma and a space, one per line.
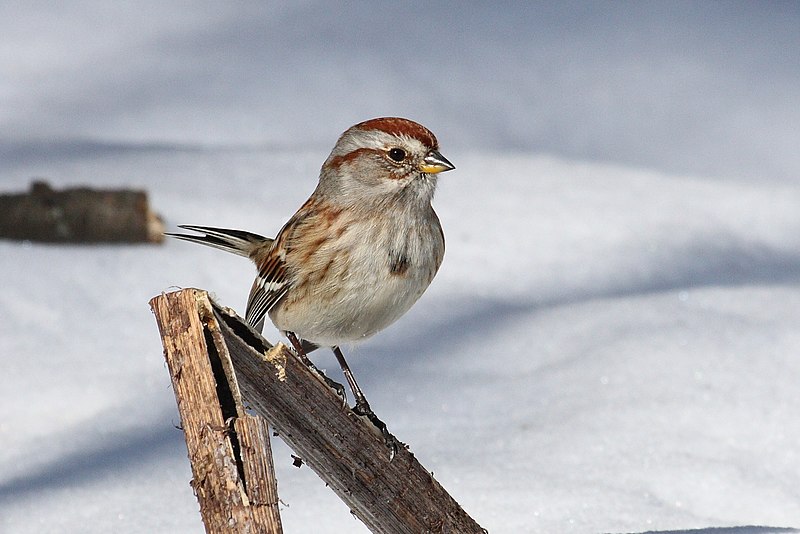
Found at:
[234, 241]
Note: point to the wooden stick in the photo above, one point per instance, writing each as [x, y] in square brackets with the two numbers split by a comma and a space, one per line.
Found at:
[79, 215]
[231, 463]
[389, 495]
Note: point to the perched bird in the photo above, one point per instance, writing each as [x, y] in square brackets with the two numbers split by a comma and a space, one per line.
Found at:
[358, 253]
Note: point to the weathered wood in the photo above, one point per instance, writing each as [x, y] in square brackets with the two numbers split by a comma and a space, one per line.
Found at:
[79, 215]
[389, 495]
[229, 450]
[259, 468]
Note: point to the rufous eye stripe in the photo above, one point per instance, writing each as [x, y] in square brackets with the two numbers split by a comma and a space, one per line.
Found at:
[337, 161]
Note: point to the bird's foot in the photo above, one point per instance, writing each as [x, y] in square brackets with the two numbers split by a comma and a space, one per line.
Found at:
[301, 353]
[363, 409]
[335, 386]
[331, 383]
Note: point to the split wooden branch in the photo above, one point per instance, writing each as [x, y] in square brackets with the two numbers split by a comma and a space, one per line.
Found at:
[229, 450]
[389, 495]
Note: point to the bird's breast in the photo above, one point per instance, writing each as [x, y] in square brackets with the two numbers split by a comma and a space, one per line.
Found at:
[362, 281]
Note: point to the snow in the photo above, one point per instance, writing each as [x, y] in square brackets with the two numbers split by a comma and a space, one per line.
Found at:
[611, 344]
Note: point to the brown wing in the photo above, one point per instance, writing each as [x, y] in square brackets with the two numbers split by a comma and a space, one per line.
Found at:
[273, 280]
[268, 288]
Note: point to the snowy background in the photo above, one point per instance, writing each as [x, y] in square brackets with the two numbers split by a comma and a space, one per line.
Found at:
[612, 343]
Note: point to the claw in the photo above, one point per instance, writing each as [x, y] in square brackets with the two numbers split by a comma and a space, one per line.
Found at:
[363, 409]
[334, 385]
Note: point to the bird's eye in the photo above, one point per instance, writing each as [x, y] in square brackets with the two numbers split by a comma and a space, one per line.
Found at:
[397, 154]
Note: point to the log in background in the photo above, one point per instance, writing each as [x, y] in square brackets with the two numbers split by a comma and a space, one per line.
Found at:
[79, 215]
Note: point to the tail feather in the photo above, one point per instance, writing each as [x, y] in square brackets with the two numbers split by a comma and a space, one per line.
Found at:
[234, 241]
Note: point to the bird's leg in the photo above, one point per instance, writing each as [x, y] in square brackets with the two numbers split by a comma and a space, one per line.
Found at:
[298, 348]
[362, 407]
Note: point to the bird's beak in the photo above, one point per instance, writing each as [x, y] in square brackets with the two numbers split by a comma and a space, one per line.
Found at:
[435, 163]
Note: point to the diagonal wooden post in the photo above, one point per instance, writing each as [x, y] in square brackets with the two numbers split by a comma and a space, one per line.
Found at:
[229, 449]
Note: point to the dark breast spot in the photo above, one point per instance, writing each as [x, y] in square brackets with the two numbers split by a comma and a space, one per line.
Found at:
[398, 263]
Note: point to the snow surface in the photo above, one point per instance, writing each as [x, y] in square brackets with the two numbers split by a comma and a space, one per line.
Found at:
[611, 344]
